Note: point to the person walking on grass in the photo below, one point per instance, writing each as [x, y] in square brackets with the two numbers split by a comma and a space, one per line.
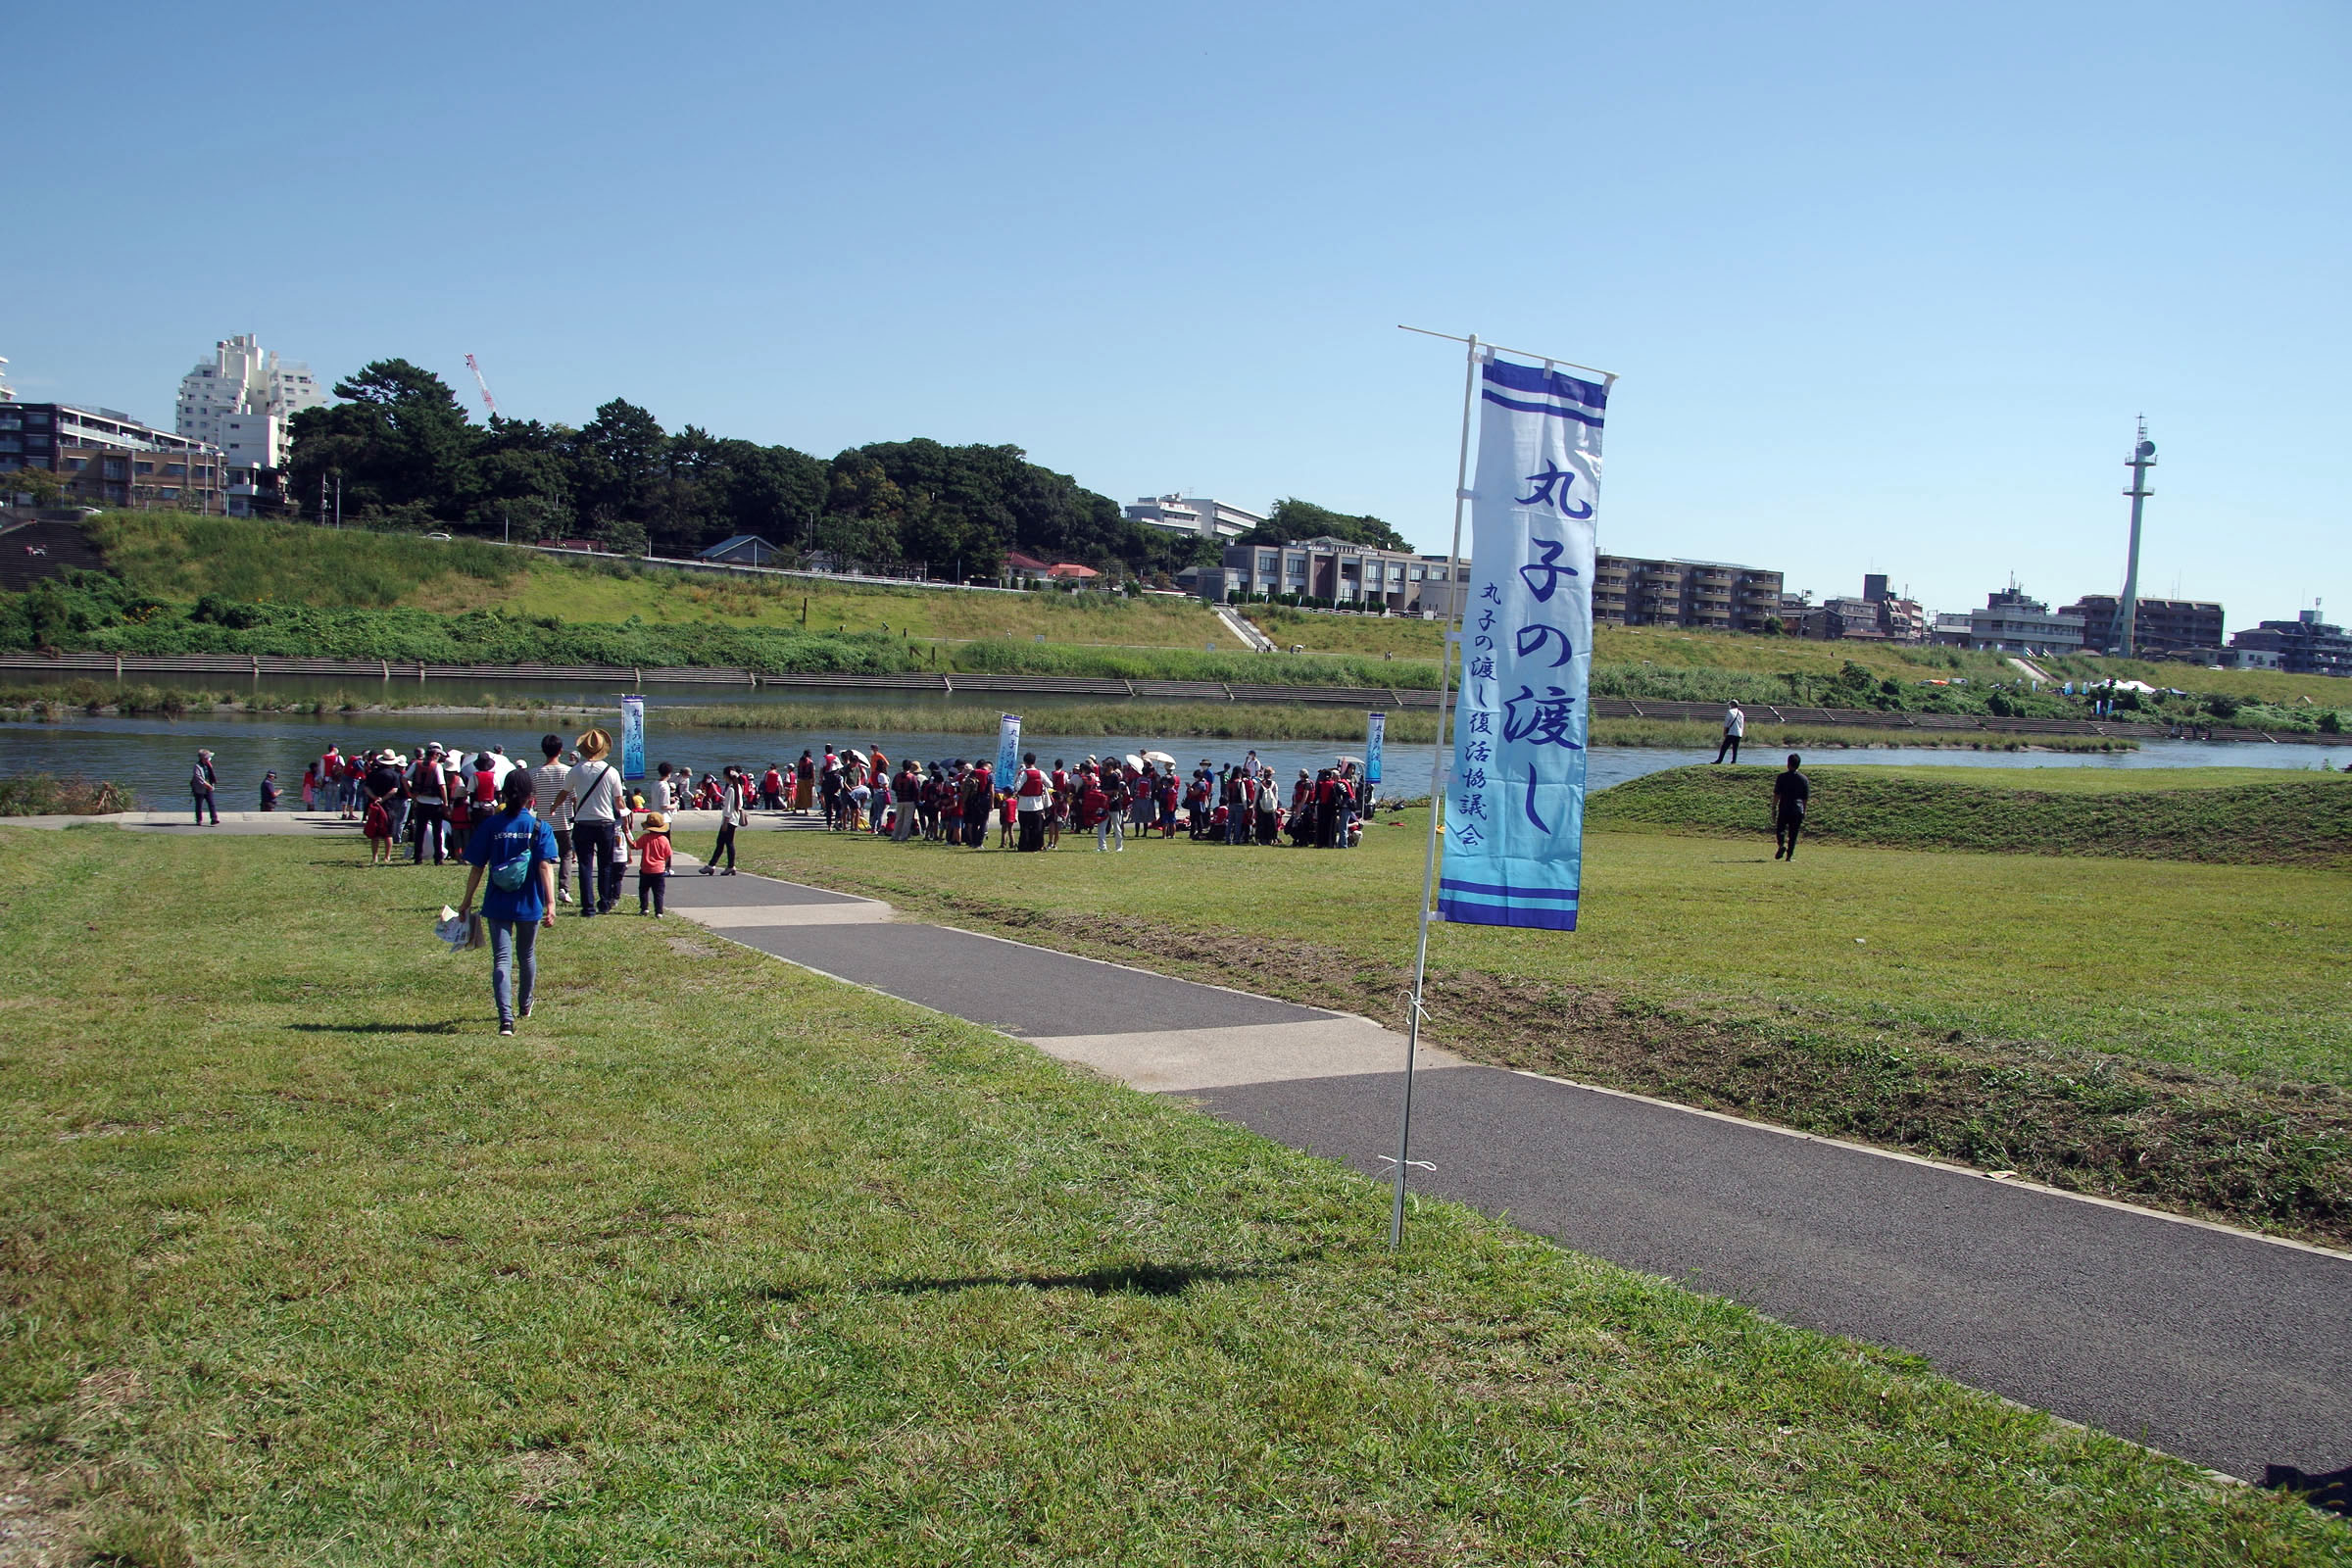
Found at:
[1735, 726]
[1790, 791]
[518, 851]
[547, 782]
[653, 863]
[732, 814]
[592, 792]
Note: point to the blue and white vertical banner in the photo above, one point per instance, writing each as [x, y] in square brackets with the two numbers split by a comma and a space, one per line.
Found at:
[1376, 734]
[1008, 748]
[1515, 797]
[632, 737]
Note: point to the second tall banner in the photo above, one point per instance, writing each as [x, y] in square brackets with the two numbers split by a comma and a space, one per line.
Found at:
[1515, 797]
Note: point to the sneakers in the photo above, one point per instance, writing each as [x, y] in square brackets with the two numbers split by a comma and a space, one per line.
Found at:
[505, 1028]
[562, 895]
[524, 1011]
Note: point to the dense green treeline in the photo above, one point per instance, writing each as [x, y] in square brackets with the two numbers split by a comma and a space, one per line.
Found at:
[407, 456]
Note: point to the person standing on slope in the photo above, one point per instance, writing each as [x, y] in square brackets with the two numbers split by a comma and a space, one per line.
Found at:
[1735, 727]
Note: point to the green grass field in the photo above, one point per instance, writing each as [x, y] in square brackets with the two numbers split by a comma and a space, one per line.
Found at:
[722, 1262]
[2137, 1027]
[2248, 816]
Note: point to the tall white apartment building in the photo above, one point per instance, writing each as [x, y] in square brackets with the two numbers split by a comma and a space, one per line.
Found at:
[1197, 516]
[242, 401]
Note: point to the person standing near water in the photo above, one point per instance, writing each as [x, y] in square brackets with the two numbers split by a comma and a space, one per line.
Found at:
[1735, 726]
[519, 852]
[732, 814]
[203, 783]
[1792, 791]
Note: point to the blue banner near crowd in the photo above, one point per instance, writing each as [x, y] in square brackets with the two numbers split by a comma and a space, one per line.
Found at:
[1376, 734]
[1009, 745]
[1515, 796]
[632, 737]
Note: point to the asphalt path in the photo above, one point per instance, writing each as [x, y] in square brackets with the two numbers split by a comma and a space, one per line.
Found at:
[2211, 1343]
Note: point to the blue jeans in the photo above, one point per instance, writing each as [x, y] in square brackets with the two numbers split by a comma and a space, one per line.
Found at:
[514, 945]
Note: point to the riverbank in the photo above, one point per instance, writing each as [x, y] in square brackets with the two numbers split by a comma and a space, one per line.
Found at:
[1227, 721]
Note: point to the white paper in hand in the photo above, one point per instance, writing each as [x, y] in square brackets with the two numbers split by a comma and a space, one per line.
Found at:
[451, 929]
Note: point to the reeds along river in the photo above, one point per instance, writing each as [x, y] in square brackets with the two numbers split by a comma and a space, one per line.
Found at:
[153, 756]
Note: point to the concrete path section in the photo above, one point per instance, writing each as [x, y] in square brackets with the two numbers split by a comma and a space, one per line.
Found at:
[2203, 1342]
[2212, 1343]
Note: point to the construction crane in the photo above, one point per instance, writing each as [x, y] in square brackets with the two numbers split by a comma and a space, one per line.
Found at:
[488, 402]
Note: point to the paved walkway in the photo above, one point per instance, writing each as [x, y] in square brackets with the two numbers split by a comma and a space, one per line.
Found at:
[2212, 1343]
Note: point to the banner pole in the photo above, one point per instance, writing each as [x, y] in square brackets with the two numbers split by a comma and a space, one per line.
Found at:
[1437, 787]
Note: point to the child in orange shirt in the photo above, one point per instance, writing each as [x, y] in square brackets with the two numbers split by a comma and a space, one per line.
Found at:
[653, 863]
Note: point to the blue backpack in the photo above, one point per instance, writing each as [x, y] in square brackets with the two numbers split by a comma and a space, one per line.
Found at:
[509, 875]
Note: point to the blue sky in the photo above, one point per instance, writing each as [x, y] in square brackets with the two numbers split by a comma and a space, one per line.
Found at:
[1886, 285]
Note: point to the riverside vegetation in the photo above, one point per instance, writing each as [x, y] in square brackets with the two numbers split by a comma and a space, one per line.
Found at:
[720, 1261]
[2166, 1031]
[178, 584]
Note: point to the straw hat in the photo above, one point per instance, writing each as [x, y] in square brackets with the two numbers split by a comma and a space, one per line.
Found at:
[656, 822]
[593, 744]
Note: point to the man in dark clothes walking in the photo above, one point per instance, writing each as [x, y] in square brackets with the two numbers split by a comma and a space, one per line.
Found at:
[1789, 793]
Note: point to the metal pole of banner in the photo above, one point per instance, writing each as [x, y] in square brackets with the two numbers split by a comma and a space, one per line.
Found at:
[1436, 780]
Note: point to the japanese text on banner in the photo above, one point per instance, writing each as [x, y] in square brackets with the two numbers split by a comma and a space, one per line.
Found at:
[1515, 798]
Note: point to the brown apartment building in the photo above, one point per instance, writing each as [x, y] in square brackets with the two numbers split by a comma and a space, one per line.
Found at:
[108, 459]
[1711, 594]
[2158, 626]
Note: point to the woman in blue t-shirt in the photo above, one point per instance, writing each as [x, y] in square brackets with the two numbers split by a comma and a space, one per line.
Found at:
[517, 850]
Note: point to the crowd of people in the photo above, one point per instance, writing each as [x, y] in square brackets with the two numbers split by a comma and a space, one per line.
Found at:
[959, 801]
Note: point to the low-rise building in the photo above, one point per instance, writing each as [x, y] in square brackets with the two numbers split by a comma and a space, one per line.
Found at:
[1199, 517]
[1336, 571]
[1951, 629]
[2303, 645]
[742, 550]
[2014, 622]
[1878, 615]
[108, 459]
[1710, 595]
[2158, 626]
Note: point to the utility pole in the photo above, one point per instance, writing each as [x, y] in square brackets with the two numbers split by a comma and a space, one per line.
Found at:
[321, 498]
[338, 501]
[2143, 458]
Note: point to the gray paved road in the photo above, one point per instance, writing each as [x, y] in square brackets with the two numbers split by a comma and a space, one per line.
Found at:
[2203, 1343]
[2219, 1346]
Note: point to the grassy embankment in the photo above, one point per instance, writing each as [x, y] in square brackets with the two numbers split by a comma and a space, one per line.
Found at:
[720, 1261]
[2227, 815]
[1262, 722]
[2161, 1031]
[226, 586]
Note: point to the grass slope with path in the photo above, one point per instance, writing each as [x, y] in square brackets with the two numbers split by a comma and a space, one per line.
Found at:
[2241, 815]
[722, 1262]
[2163, 1032]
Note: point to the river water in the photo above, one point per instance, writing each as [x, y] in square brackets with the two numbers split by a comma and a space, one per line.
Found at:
[153, 756]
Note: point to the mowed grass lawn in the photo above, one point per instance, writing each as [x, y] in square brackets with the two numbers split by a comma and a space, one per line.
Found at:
[721, 1262]
[2239, 968]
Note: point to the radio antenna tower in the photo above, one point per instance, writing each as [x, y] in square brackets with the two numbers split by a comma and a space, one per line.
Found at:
[488, 402]
[2127, 614]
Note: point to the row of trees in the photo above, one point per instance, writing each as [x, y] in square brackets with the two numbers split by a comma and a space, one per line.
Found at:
[406, 454]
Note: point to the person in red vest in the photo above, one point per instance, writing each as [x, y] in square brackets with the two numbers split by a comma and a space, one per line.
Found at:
[771, 787]
[1032, 799]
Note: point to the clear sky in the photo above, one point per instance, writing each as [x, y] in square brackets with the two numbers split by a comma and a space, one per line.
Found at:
[1887, 284]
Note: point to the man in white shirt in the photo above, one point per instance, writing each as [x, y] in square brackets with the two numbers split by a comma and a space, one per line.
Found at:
[1734, 725]
[547, 783]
